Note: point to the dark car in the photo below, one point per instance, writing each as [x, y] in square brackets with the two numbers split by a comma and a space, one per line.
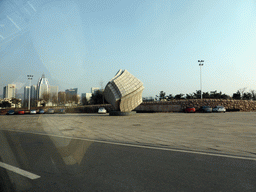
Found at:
[62, 111]
[41, 111]
[10, 112]
[190, 110]
[205, 109]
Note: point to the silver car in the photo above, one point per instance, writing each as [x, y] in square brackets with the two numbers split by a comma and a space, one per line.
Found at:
[51, 111]
[206, 109]
[102, 110]
[219, 109]
[32, 111]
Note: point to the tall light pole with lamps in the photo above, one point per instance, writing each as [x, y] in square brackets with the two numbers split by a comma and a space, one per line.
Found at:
[201, 63]
[29, 78]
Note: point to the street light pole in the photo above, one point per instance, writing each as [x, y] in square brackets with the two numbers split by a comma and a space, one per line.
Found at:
[29, 78]
[201, 63]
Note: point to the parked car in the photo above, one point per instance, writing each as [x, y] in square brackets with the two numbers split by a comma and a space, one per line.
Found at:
[205, 109]
[62, 111]
[51, 111]
[219, 109]
[10, 112]
[33, 111]
[190, 110]
[102, 110]
[21, 112]
[41, 111]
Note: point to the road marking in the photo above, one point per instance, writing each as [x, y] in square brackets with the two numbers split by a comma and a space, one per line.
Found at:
[19, 171]
[140, 146]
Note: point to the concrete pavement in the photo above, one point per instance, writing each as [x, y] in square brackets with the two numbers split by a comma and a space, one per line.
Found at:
[226, 133]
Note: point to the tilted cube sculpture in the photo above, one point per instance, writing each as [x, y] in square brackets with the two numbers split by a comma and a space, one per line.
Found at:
[124, 91]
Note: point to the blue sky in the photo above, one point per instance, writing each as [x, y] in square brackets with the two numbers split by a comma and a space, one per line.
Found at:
[83, 43]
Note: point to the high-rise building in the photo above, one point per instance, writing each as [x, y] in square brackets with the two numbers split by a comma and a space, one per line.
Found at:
[9, 91]
[71, 91]
[42, 87]
[33, 94]
[54, 91]
[87, 96]
[94, 89]
[26, 95]
[54, 94]
[62, 97]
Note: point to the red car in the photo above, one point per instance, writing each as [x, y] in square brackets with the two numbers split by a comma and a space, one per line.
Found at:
[21, 112]
[190, 110]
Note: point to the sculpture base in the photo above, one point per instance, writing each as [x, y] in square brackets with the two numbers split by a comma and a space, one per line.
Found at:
[119, 113]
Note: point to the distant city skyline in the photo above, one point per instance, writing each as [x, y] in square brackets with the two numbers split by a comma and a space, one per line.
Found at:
[80, 44]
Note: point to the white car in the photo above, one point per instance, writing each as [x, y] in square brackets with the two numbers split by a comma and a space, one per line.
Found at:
[102, 110]
[219, 109]
[32, 111]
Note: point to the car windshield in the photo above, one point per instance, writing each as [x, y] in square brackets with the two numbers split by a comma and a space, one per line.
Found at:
[127, 95]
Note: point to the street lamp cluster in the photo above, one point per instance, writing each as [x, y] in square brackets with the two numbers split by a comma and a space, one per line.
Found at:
[201, 63]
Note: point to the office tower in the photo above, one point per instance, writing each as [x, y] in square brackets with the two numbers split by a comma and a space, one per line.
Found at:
[42, 87]
[9, 91]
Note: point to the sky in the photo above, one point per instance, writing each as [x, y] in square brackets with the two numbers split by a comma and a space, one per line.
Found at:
[79, 43]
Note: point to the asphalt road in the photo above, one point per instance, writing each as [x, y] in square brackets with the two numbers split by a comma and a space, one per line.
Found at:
[59, 163]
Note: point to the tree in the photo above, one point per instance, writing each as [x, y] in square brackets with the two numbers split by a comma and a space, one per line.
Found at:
[237, 95]
[179, 96]
[15, 101]
[197, 94]
[206, 95]
[74, 98]
[247, 96]
[170, 97]
[5, 104]
[189, 96]
[54, 98]
[224, 96]
[161, 95]
[85, 101]
[62, 97]
[46, 97]
[242, 90]
[97, 97]
[253, 94]
[214, 94]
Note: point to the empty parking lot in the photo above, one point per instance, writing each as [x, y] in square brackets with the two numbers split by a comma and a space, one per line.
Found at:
[224, 133]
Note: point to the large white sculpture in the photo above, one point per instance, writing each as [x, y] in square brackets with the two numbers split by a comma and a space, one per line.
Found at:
[124, 91]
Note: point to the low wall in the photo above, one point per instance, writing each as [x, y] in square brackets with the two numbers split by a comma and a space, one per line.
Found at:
[175, 106]
[89, 108]
[166, 106]
[172, 106]
[156, 107]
